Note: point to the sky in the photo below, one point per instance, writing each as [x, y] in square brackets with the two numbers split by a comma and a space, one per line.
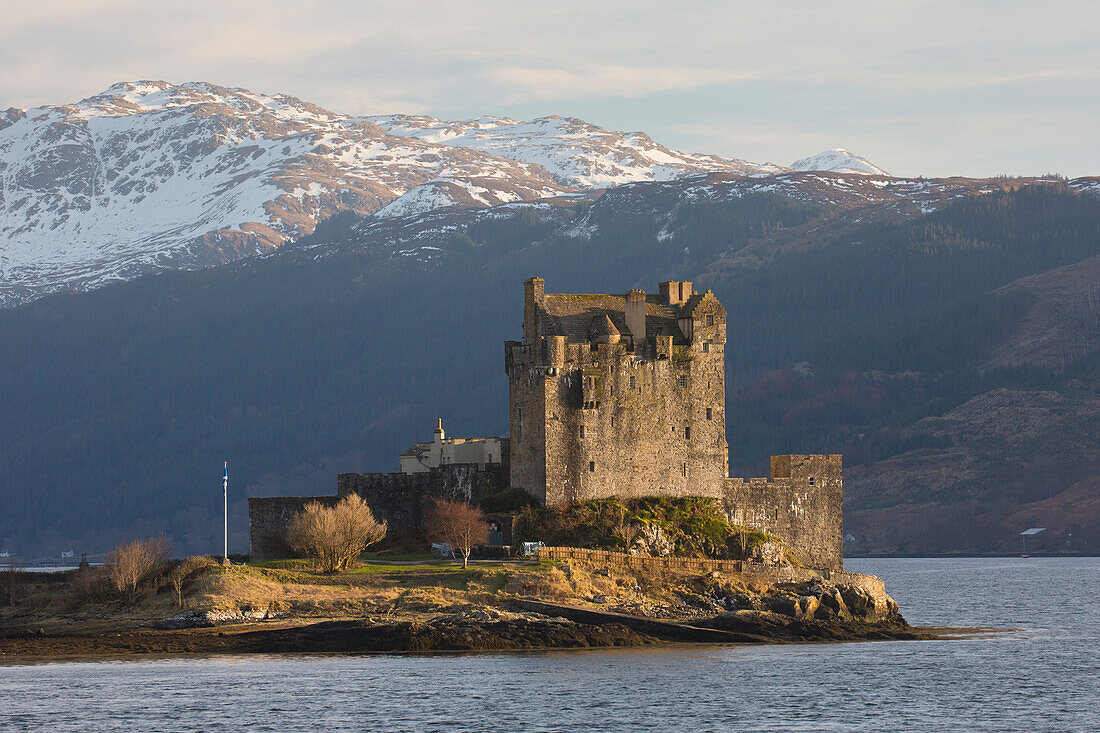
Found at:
[919, 88]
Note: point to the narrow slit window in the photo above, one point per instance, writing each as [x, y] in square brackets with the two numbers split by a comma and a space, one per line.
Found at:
[710, 413]
[591, 466]
[687, 433]
[582, 431]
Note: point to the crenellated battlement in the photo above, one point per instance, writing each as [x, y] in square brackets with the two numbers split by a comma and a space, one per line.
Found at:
[800, 503]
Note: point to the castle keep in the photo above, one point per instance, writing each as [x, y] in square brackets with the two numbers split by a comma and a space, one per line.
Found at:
[609, 395]
[624, 395]
[618, 395]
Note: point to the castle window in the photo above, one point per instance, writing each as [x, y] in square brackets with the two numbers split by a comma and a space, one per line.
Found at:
[632, 382]
[582, 431]
[612, 421]
[683, 381]
[811, 480]
[710, 320]
[687, 433]
[709, 413]
[706, 346]
[685, 469]
[591, 466]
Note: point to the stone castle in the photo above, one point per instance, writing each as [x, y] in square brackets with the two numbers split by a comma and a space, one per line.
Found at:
[618, 395]
[609, 395]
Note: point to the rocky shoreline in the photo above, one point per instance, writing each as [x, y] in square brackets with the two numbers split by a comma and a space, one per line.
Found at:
[439, 607]
[485, 631]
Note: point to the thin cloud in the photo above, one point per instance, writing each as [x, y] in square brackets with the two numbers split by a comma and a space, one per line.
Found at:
[826, 70]
[528, 83]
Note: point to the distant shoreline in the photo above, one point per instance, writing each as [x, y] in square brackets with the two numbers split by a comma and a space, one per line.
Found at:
[953, 556]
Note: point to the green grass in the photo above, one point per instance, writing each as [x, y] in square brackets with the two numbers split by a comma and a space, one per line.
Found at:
[391, 556]
[374, 568]
[371, 564]
[288, 564]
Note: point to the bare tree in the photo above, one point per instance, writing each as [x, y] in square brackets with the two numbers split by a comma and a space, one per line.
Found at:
[8, 581]
[334, 537]
[176, 579]
[460, 525]
[186, 569]
[743, 541]
[131, 563]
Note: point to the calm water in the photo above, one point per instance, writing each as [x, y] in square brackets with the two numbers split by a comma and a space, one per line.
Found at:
[1045, 676]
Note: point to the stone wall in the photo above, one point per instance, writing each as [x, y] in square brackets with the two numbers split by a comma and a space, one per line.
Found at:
[268, 519]
[401, 499]
[801, 504]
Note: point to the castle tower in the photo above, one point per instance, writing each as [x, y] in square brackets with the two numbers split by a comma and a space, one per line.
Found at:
[618, 395]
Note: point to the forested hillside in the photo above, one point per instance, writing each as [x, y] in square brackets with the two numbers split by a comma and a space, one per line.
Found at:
[876, 336]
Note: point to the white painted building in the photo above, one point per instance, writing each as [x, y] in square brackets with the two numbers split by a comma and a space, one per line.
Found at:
[443, 451]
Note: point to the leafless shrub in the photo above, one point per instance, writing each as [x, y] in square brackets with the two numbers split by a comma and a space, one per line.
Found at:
[9, 583]
[90, 585]
[186, 569]
[460, 525]
[175, 579]
[743, 542]
[130, 564]
[334, 537]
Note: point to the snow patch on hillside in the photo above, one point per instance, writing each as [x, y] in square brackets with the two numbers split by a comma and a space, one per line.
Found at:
[575, 152]
[838, 160]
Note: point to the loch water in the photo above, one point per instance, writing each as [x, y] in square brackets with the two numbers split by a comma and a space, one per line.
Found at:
[1042, 675]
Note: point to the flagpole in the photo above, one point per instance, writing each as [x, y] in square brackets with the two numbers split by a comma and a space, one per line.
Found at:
[225, 513]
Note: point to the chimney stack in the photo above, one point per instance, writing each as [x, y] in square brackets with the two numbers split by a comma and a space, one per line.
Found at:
[635, 316]
[533, 297]
[675, 292]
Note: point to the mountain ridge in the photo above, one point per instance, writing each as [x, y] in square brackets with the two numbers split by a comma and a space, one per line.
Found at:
[149, 175]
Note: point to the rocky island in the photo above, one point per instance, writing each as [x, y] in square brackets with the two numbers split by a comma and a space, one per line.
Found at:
[606, 518]
[402, 604]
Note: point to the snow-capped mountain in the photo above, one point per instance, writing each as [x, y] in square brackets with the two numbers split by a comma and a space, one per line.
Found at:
[149, 176]
[575, 152]
[838, 160]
